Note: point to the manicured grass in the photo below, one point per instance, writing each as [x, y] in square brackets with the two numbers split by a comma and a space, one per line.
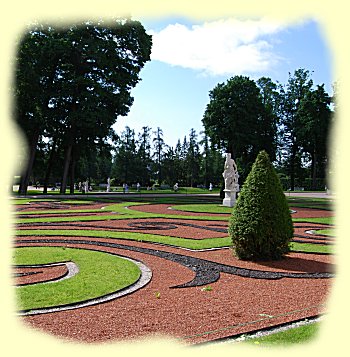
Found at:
[327, 232]
[140, 237]
[204, 208]
[128, 215]
[155, 238]
[322, 220]
[311, 202]
[24, 201]
[301, 334]
[119, 208]
[99, 274]
[311, 248]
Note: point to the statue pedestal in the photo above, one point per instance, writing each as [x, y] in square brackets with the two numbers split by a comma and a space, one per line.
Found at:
[230, 198]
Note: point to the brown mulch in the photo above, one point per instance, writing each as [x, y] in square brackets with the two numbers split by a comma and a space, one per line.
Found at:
[39, 274]
[235, 305]
[310, 212]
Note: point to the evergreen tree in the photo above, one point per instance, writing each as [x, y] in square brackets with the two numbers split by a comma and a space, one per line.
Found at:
[261, 226]
[192, 159]
[144, 156]
[125, 164]
[159, 147]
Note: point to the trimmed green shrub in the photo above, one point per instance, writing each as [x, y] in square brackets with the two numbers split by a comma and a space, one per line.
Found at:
[261, 226]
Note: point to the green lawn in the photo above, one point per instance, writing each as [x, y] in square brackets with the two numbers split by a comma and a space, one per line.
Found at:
[327, 232]
[322, 220]
[203, 208]
[99, 274]
[187, 243]
[140, 237]
[301, 334]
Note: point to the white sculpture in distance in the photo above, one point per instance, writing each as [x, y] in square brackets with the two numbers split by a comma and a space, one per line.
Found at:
[231, 176]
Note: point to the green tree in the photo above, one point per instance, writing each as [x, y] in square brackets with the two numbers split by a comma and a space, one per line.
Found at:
[315, 119]
[268, 123]
[159, 146]
[234, 120]
[35, 75]
[125, 165]
[261, 226]
[192, 159]
[144, 156]
[83, 74]
[298, 86]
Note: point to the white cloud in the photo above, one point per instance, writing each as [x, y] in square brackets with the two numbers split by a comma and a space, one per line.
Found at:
[218, 48]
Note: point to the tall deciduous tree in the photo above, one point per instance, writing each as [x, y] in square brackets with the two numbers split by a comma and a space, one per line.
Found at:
[315, 119]
[235, 119]
[298, 86]
[84, 73]
[35, 76]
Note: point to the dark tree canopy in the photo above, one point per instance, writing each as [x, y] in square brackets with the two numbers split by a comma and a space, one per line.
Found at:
[237, 120]
[75, 81]
[261, 226]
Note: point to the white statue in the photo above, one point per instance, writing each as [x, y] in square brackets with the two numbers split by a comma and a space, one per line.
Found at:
[230, 176]
[108, 184]
[229, 173]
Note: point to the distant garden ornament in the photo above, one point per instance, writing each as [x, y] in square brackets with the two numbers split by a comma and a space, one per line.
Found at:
[230, 176]
[108, 184]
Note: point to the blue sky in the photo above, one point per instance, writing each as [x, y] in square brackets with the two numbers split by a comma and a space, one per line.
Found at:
[190, 58]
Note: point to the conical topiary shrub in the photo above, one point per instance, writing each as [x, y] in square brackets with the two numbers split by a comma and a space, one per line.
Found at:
[261, 226]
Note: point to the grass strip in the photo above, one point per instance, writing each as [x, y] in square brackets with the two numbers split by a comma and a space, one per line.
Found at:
[140, 237]
[187, 243]
[129, 215]
[99, 274]
[311, 248]
[327, 232]
[322, 220]
[296, 335]
[203, 208]
[119, 208]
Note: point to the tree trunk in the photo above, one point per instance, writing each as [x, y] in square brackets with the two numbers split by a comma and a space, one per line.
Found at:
[72, 172]
[67, 161]
[49, 166]
[314, 170]
[23, 186]
[292, 167]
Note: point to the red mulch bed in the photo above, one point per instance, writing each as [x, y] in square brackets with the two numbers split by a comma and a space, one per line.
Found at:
[235, 305]
[41, 274]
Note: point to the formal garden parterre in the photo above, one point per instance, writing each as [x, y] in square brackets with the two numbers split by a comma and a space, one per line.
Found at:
[192, 287]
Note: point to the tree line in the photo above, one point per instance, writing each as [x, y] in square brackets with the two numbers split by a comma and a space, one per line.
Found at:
[147, 159]
[72, 83]
[291, 122]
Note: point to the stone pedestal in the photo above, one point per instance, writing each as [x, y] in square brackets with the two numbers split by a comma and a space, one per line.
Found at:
[230, 198]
